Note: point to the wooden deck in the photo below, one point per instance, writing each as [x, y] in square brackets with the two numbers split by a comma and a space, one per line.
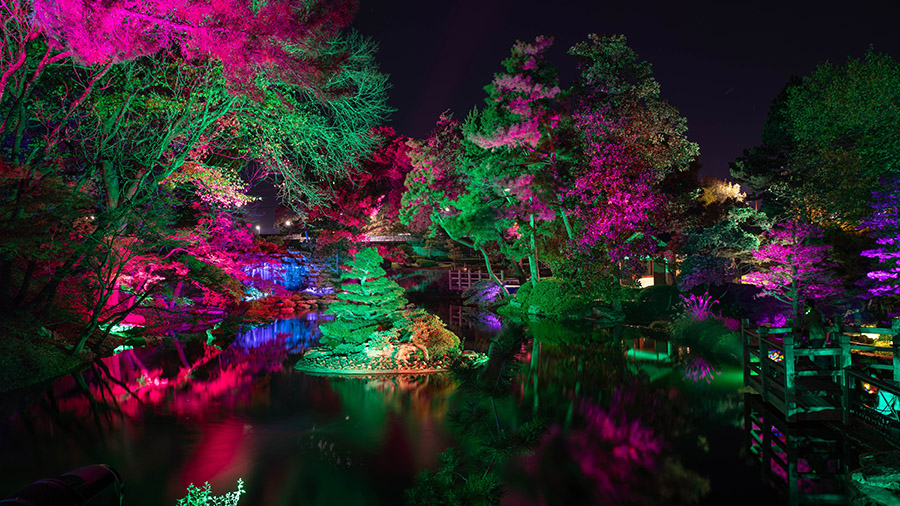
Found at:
[806, 462]
[822, 383]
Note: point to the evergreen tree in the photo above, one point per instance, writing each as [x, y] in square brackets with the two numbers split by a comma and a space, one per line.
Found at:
[368, 302]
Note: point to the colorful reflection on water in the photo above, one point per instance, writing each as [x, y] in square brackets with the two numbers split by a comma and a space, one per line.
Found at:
[618, 426]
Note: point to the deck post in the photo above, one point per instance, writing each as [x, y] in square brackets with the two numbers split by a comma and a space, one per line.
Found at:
[763, 332]
[745, 345]
[843, 365]
[895, 344]
[790, 372]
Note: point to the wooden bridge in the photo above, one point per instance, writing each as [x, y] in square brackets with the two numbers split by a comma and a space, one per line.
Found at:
[840, 380]
[461, 279]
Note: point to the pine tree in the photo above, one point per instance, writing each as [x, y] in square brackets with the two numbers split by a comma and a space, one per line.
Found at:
[368, 302]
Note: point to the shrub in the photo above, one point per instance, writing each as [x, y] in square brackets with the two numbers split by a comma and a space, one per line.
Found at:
[552, 297]
[429, 331]
[709, 334]
[483, 294]
[367, 300]
[653, 303]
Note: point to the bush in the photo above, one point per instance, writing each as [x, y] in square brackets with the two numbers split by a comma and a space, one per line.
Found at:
[710, 335]
[657, 302]
[483, 294]
[551, 297]
[429, 331]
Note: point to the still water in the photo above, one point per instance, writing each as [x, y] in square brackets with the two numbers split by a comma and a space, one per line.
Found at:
[626, 418]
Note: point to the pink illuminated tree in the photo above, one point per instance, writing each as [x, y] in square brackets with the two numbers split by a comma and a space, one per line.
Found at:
[793, 267]
[284, 38]
[633, 139]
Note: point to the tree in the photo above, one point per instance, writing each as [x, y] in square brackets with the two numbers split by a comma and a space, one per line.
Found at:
[122, 105]
[792, 268]
[371, 195]
[828, 140]
[884, 227]
[633, 140]
[368, 302]
[520, 135]
[715, 252]
[440, 193]
[309, 143]
[288, 40]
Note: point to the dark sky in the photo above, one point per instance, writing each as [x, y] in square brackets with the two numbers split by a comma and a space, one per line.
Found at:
[720, 63]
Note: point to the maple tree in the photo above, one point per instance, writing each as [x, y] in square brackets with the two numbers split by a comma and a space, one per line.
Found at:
[793, 267]
[633, 139]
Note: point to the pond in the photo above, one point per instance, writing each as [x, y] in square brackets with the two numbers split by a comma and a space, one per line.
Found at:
[625, 418]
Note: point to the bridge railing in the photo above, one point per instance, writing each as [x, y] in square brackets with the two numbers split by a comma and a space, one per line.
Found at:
[874, 401]
[821, 383]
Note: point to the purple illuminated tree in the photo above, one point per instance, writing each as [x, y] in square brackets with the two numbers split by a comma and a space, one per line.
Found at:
[793, 267]
[884, 226]
[633, 140]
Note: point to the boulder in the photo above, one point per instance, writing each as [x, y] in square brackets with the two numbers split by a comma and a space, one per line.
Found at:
[877, 481]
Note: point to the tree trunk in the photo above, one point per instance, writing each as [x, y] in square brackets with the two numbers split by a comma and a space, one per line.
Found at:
[26, 283]
[487, 264]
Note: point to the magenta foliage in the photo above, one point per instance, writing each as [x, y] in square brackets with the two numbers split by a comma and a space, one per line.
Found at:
[522, 93]
[884, 226]
[697, 369]
[615, 199]
[698, 307]
[245, 40]
[794, 269]
[610, 451]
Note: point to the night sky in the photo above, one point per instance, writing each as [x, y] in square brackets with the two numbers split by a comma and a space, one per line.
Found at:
[719, 64]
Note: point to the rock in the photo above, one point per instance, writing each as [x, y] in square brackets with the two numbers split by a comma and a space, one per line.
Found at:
[877, 482]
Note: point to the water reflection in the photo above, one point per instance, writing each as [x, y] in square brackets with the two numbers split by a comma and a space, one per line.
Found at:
[176, 414]
[807, 463]
[562, 412]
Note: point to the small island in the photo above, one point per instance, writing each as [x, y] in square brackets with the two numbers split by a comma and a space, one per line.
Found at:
[376, 331]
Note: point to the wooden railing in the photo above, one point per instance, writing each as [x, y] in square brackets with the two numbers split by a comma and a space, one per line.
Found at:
[463, 279]
[806, 462]
[822, 383]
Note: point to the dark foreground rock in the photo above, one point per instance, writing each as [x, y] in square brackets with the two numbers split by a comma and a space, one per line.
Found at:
[877, 481]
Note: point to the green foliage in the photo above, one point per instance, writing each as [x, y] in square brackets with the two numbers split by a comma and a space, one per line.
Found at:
[708, 334]
[653, 303]
[202, 496]
[489, 441]
[829, 137]
[428, 330]
[368, 300]
[308, 139]
[450, 487]
[552, 297]
[616, 81]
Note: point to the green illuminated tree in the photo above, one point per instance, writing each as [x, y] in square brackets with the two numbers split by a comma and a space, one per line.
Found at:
[524, 153]
[829, 137]
[368, 302]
